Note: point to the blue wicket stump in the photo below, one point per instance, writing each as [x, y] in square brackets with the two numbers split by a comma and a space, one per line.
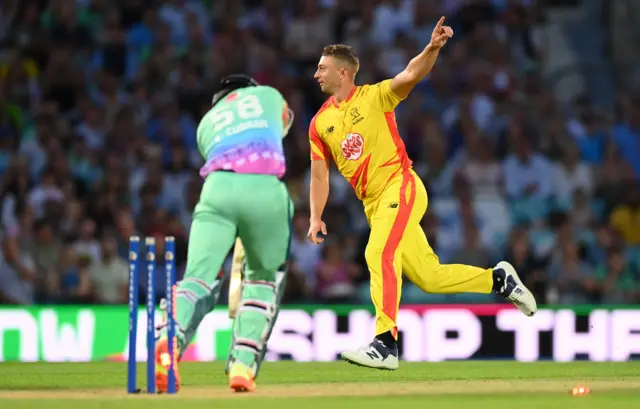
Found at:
[150, 249]
[134, 250]
[170, 262]
[134, 267]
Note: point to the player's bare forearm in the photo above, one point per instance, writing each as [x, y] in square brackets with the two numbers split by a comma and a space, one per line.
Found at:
[421, 64]
[416, 71]
[319, 188]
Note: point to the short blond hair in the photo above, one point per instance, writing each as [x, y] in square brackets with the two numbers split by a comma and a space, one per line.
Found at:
[343, 53]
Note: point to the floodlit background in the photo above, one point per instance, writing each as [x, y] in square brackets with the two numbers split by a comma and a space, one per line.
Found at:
[527, 135]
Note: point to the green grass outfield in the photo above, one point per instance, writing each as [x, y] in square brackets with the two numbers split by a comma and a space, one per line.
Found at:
[334, 385]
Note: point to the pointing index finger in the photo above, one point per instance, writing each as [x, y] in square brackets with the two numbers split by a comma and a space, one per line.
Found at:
[440, 22]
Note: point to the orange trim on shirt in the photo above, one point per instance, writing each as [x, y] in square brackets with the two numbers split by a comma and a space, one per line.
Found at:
[391, 162]
[335, 103]
[363, 170]
[393, 175]
[397, 140]
[322, 151]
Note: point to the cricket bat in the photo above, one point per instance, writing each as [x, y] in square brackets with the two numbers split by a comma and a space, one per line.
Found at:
[235, 282]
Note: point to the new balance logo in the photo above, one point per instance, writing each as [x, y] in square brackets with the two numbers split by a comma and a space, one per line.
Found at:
[372, 354]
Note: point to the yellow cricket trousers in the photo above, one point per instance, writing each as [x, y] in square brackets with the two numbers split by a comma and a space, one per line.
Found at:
[397, 245]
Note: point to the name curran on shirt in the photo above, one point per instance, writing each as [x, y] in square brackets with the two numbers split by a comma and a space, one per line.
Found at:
[244, 150]
[256, 124]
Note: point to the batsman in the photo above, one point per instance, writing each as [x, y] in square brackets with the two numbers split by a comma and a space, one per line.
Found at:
[242, 198]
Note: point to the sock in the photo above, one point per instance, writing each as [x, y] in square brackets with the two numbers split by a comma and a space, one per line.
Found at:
[387, 339]
[498, 280]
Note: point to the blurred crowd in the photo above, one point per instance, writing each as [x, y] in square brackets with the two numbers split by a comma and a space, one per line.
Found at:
[100, 100]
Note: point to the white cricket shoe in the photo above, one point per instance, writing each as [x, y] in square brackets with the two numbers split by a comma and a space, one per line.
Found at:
[508, 284]
[375, 355]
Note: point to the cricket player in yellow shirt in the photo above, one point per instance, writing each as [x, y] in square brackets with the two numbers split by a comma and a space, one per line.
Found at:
[356, 127]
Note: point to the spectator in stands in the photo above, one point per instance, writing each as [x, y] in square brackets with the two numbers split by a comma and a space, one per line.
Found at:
[335, 276]
[482, 172]
[45, 250]
[75, 282]
[581, 210]
[627, 137]
[617, 279]
[592, 143]
[570, 280]
[472, 250]
[304, 253]
[626, 217]
[110, 275]
[86, 245]
[554, 138]
[34, 144]
[612, 178]
[308, 33]
[100, 103]
[18, 273]
[571, 175]
[91, 129]
[527, 174]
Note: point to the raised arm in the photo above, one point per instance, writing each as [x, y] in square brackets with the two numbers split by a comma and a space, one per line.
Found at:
[421, 65]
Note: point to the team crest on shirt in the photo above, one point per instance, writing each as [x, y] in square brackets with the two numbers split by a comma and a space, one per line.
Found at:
[355, 116]
[352, 146]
